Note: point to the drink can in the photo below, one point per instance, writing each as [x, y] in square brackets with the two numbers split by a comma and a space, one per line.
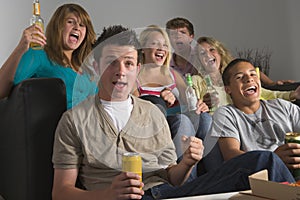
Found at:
[293, 137]
[132, 162]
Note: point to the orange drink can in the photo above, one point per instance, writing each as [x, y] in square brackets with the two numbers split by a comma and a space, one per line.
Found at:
[132, 162]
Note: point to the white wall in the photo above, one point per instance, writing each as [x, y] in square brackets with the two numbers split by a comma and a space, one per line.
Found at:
[239, 24]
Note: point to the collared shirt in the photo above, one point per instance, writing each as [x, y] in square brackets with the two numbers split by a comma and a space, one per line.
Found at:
[87, 139]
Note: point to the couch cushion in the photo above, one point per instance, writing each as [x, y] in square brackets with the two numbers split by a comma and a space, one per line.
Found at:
[27, 124]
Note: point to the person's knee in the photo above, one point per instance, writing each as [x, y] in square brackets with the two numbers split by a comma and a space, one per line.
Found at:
[206, 116]
[264, 155]
[267, 158]
[186, 126]
[205, 121]
[257, 156]
[182, 124]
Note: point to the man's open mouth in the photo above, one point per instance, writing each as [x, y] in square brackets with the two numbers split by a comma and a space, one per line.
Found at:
[250, 90]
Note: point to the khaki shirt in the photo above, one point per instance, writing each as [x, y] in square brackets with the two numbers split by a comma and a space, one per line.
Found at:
[87, 139]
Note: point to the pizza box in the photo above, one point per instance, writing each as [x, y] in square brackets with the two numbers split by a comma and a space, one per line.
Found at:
[262, 188]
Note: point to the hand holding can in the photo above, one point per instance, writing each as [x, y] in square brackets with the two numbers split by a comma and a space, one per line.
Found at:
[132, 162]
[293, 137]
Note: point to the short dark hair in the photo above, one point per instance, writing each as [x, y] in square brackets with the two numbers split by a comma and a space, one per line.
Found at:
[116, 35]
[180, 22]
[226, 73]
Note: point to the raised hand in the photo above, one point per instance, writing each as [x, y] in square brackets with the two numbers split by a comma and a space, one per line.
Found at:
[282, 82]
[168, 96]
[295, 94]
[193, 150]
[33, 33]
[211, 100]
[201, 107]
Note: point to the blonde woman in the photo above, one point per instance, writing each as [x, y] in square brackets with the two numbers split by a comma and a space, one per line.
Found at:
[157, 80]
[212, 58]
[156, 77]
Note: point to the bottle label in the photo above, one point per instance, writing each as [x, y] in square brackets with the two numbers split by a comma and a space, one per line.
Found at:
[36, 9]
[192, 102]
[190, 93]
[191, 98]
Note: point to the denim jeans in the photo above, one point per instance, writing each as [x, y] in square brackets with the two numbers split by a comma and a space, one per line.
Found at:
[181, 125]
[188, 125]
[231, 176]
[191, 125]
[201, 123]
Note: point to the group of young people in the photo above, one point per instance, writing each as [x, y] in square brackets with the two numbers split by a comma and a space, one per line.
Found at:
[109, 116]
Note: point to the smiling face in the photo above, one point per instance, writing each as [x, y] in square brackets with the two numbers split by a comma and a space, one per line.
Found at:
[181, 40]
[244, 86]
[73, 33]
[155, 49]
[119, 68]
[209, 57]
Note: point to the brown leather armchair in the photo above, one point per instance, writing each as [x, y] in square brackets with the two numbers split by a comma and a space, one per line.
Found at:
[28, 119]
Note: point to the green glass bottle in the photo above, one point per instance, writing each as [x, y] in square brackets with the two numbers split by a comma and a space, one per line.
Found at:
[212, 91]
[190, 93]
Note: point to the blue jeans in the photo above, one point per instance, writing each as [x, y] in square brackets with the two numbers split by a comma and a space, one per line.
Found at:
[201, 123]
[230, 176]
[191, 125]
[181, 124]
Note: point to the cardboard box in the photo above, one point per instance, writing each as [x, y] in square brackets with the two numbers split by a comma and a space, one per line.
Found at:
[262, 188]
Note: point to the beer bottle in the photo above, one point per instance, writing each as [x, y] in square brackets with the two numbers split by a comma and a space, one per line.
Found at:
[212, 91]
[36, 19]
[190, 93]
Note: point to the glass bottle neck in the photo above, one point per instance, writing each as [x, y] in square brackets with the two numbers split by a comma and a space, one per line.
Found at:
[36, 8]
[208, 81]
[189, 81]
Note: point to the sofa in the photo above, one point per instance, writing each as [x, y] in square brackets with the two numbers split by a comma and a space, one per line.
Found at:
[285, 87]
[29, 116]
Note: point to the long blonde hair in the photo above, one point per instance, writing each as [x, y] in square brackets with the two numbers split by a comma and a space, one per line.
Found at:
[54, 31]
[226, 56]
[143, 38]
